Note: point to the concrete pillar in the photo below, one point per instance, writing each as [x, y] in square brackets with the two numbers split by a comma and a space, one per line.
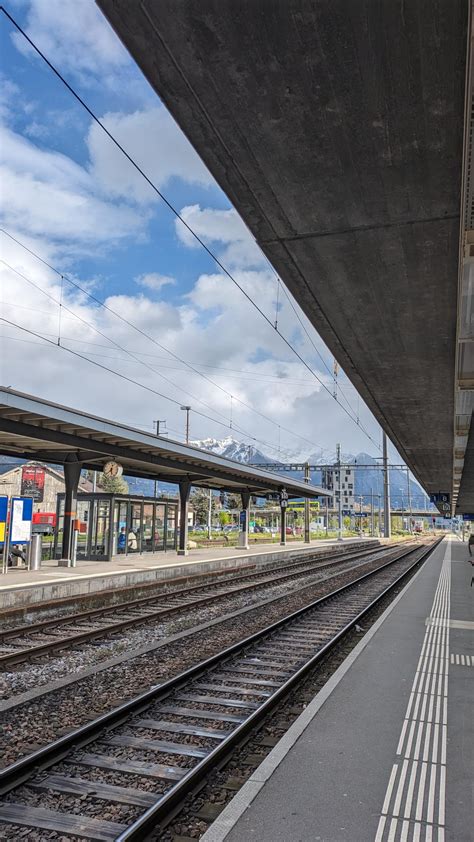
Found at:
[283, 525]
[244, 533]
[72, 472]
[184, 492]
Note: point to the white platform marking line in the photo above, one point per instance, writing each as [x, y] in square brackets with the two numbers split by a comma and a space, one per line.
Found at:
[411, 786]
[421, 793]
[404, 833]
[401, 787]
[423, 714]
[380, 829]
[442, 796]
[388, 794]
[431, 794]
[392, 831]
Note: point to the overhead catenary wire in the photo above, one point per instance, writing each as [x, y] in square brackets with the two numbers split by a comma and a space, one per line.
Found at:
[260, 378]
[176, 213]
[152, 339]
[131, 380]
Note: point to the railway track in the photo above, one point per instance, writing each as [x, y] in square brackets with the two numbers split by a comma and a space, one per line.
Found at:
[46, 637]
[120, 776]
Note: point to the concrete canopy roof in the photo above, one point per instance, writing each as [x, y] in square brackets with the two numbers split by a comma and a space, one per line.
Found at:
[336, 130]
[31, 427]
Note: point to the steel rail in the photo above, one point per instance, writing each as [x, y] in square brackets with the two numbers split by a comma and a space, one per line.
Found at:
[140, 829]
[56, 645]
[29, 628]
[18, 772]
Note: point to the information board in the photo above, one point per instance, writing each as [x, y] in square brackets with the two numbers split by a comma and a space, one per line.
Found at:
[20, 520]
[3, 518]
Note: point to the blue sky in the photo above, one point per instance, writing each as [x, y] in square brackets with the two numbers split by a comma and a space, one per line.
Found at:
[71, 197]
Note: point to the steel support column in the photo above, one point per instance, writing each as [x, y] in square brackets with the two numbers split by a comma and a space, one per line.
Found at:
[244, 533]
[72, 473]
[307, 534]
[282, 525]
[386, 490]
[184, 492]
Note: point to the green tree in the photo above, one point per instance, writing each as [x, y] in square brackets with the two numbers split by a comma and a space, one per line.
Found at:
[113, 485]
[200, 503]
[233, 501]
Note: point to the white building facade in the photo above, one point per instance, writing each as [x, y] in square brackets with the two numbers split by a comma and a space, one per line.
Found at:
[330, 481]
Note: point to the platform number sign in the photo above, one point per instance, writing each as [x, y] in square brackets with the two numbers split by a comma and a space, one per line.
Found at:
[283, 498]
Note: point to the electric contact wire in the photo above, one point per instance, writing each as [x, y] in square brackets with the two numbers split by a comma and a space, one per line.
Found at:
[129, 379]
[175, 212]
[271, 379]
[152, 339]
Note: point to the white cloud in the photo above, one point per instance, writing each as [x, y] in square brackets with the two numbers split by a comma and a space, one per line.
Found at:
[154, 281]
[154, 141]
[215, 330]
[222, 228]
[75, 35]
[46, 193]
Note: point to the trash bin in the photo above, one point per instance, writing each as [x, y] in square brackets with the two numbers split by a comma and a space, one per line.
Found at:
[36, 548]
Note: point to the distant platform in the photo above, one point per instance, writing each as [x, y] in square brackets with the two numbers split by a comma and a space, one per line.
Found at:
[384, 752]
[19, 588]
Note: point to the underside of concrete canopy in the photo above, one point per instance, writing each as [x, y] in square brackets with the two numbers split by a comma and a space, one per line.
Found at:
[336, 130]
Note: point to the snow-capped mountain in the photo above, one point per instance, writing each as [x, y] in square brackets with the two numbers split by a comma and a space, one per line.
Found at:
[367, 479]
[230, 448]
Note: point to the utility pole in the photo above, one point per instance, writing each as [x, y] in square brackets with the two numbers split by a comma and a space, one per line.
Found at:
[386, 490]
[339, 511]
[307, 536]
[327, 516]
[372, 523]
[209, 515]
[187, 409]
[409, 500]
[158, 422]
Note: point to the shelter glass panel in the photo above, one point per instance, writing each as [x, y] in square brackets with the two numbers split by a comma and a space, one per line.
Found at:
[100, 529]
[159, 528]
[135, 529]
[170, 528]
[147, 530]
[120, 527]
[83, 516]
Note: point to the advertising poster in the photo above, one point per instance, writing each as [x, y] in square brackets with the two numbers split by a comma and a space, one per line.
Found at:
[32, 482]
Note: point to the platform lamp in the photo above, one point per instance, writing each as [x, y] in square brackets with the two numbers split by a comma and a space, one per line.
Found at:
[187, 409]
[157, 424]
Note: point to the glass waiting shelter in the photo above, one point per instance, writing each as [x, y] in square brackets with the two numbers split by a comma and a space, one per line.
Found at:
[115, 524]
